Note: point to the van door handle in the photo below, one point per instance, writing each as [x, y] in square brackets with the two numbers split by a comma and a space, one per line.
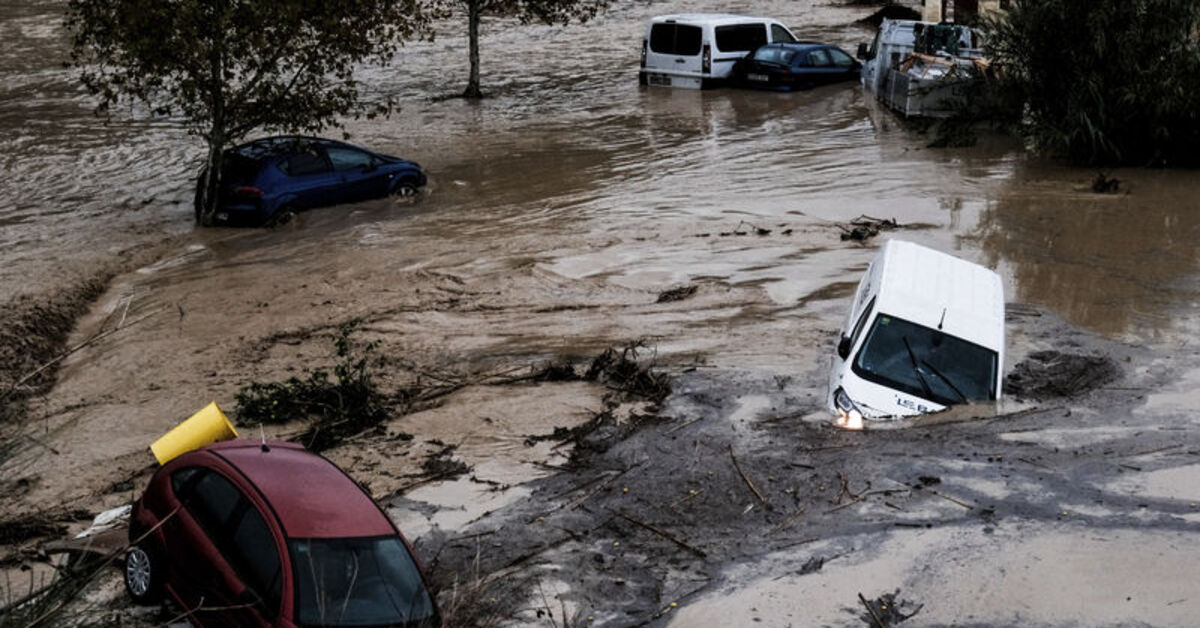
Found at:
[680, 61]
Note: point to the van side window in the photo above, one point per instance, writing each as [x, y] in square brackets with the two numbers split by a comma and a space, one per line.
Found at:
[862, 320]
[741, 37]
[675, 39]
[779, 33]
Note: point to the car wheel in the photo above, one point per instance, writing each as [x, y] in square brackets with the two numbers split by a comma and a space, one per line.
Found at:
[143, 575]
[281, 217]
[404, 188]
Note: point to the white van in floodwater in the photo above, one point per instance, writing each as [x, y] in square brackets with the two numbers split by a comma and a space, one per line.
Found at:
[925, 331]
[698, 50]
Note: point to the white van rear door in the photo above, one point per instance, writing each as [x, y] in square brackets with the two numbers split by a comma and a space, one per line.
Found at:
[674, 49]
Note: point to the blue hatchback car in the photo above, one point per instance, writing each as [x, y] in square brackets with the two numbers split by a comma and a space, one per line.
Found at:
[789, 66]
[268, 180]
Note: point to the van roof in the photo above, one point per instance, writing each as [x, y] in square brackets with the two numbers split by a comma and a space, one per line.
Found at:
[709, 18]
[932, 288]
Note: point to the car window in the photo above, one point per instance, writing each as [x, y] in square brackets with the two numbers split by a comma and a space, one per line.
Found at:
[818, 58]
[786, 55]
[770, 54]
[840, 59]
[254, 556]
[308, 160]
[779, 33]
[212, 500]
[348, 158]
[741, 37]
[675, 39]
[182, 481]
[862, 320]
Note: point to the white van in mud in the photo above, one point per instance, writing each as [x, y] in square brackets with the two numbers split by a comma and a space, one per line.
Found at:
[925, 331]
[698, 50]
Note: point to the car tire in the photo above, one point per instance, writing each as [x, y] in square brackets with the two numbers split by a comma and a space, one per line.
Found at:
[143, 574]
[404, 188]
[281, 217]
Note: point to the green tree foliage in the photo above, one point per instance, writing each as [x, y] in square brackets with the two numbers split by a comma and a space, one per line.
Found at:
[527, 11]
[1103, 81]
[230, 67]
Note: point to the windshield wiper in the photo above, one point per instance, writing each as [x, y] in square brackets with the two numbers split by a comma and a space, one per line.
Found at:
[912, 357]
[941, 376]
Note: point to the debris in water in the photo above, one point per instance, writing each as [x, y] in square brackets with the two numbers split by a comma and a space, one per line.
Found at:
[885, 612]
[676, 294]
[1048, 374]
[865, 227]
[1102, 184]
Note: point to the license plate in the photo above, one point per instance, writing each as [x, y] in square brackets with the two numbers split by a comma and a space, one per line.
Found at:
[659, 79]
[758, 77]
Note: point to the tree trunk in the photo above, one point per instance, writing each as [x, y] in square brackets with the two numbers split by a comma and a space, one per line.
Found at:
[473, 11]
[209, 187]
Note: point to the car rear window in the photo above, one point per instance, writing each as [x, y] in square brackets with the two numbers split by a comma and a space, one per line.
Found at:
[675, 39]
[237, 168]
[741, 37]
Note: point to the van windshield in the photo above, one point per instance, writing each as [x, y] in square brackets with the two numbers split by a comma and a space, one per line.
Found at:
[362, 582]
[925, 362]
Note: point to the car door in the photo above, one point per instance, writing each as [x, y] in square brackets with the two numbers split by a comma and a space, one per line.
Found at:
[208, 544]
[847, 67]
[310, 180]
[361, 176]
[820, 67]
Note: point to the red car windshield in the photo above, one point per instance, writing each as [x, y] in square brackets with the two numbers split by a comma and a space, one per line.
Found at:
[359, 582]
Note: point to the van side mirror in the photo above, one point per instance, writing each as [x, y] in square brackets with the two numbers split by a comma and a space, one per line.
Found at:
[843, 347]
[862, 50]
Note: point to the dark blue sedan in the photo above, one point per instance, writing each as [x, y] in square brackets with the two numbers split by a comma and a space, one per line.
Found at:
[788, 66]
[269, 180]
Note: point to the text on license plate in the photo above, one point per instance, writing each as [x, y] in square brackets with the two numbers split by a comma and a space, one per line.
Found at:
[658, 79]
[757, 77]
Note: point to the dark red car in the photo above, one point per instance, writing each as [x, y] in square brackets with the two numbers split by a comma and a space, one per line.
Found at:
[242, 533]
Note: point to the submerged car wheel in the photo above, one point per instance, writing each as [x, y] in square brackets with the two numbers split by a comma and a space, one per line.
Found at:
[143, 575]
[404, 188]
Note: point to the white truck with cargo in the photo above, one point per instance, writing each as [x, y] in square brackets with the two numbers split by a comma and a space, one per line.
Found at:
[921, 68]
[925, 331]
[698, 50]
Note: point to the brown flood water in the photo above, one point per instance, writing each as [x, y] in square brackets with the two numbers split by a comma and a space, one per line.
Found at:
[558, 209]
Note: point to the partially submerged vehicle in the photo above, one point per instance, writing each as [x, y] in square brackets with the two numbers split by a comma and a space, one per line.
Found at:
[698, 50]
[245, 533]
[925, 331]
[800, 65]
[921, 68]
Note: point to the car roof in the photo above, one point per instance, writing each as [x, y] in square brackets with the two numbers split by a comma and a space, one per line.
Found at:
[798, 46]
[311, 497]
[938, 290]
[710, 18]
[266, 147]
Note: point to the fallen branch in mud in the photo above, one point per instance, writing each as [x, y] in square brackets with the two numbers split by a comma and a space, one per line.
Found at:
[65, 354]
[871, 610]
[641, 524]
[745, 478]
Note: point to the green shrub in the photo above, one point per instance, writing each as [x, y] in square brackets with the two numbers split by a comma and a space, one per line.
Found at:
[1103, 81]
[336, 406]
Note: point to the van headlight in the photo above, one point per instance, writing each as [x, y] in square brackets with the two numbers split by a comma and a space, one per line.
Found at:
[849, 416]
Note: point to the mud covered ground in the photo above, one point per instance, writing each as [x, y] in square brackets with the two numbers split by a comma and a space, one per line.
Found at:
[573, 213]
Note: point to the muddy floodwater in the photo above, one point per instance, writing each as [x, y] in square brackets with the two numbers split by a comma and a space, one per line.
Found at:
[559, 209]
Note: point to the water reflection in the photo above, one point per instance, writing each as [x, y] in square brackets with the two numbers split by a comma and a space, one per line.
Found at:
[1120, 264]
